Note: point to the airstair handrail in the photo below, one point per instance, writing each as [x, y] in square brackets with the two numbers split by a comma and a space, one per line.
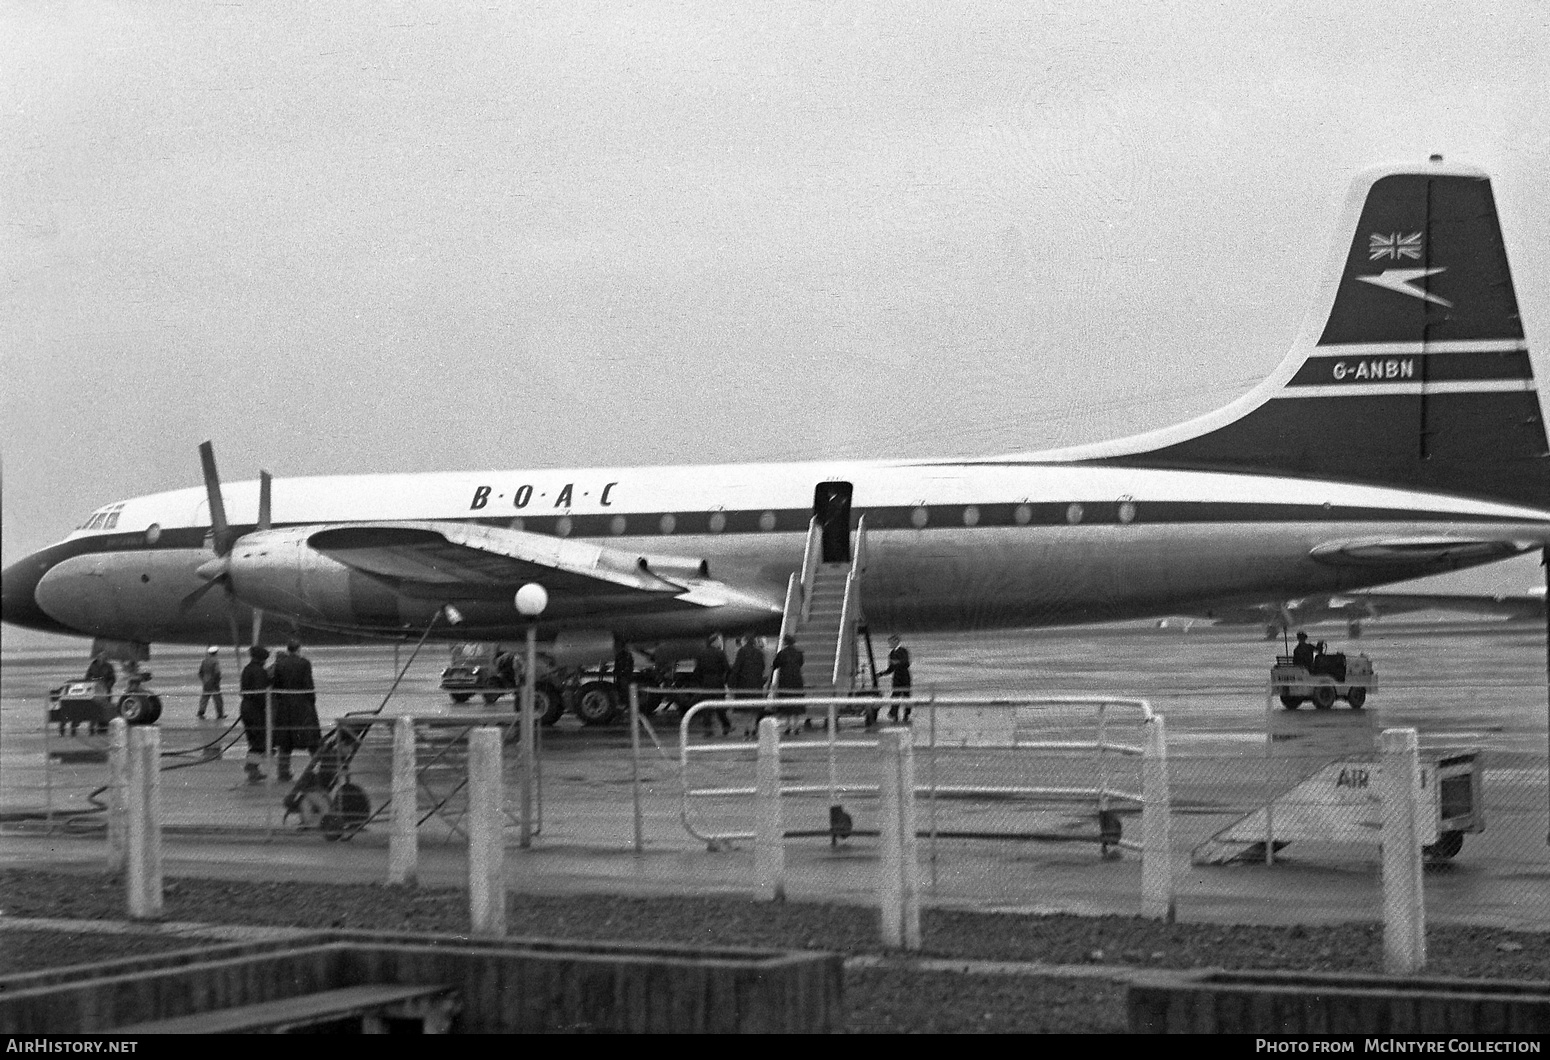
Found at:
[858, 562]
[810, 557]
[846, 645]
[788, 615]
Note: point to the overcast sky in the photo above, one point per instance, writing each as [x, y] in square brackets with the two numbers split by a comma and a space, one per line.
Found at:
[340, 237]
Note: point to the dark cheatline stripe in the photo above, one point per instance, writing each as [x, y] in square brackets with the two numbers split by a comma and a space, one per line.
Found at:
[1414, 368]
[1485, 445]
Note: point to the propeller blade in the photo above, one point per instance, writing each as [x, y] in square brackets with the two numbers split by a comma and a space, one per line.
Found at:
[236, 633]
[194, 597]
[258, 627]
[264, 488]
[220, 529]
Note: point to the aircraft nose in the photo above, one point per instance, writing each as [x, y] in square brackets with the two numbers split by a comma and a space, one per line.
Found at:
[19, 597]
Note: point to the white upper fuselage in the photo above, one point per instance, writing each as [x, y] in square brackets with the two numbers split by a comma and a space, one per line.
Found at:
[949, 543]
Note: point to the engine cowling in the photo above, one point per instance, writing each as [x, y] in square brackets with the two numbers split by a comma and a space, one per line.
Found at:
[278, 572]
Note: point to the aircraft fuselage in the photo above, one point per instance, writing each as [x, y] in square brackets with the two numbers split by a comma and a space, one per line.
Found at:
[950, 544]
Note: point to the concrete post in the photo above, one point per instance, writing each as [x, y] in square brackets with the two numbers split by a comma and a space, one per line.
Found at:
[769, 849]
[403, 844]
[143, 839]
[526, 729]
[640, 827]
[1404, 906]
[898, 871]
[1157, 899]
[118, 786]
[486, 847]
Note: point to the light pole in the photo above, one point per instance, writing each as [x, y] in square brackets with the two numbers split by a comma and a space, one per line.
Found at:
[531, 600]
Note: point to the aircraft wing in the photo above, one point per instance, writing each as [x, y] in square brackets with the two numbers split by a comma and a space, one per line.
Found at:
[1504, 605]
[1359, 606]
[1405, 552]
[442, 561]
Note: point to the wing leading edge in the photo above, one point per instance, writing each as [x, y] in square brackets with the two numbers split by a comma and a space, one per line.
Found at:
[439, 561]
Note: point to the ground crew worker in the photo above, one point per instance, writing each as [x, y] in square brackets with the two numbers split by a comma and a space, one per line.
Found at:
[210, 683]
[624, 670]
[748, 678]
[710, 673]
[899, 669]
[295, 707]
[100, 669]
[506, 670]
[253, 709]
[1302, 655]
[787, 678]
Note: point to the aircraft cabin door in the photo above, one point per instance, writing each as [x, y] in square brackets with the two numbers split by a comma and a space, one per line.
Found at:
[831, 507]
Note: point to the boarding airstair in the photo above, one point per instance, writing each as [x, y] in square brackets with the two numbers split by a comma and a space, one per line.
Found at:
[823, 612]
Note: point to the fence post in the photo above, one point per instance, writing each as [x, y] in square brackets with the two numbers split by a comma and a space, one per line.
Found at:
[143, 842]
[640, 829]
[898, 870]
[1157, 899]
[403, 844]
[118, 784]
[486, 846]
[769, 850]
[1404, 906]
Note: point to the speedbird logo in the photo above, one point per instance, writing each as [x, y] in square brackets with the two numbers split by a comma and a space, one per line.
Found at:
[1394, 246]
[1403, 281]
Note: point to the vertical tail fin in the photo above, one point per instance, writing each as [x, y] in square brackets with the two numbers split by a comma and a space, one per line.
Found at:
[1411, 371]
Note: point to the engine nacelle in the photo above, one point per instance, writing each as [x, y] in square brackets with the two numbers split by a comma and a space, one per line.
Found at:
[278, 572]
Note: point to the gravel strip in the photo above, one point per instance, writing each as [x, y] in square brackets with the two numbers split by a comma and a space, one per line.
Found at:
[880, 997]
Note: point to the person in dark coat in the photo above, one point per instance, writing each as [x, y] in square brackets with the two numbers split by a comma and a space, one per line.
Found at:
[748, 678]
[295, 708]
[788, 683]
[100, 669]
[254, 710]
[899, 670]
[624, 670]
[1302, 655]
[711, 672]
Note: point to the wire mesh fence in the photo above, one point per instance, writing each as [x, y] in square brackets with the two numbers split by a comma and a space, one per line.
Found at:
[1008, 815]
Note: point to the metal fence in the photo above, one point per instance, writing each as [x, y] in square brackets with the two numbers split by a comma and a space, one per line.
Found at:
[1022, 803]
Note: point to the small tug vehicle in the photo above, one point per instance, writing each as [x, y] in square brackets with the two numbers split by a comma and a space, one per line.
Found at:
[1332, 676]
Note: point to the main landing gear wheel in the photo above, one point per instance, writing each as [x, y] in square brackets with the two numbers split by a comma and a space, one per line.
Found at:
[138, 708]
[1447, 846]
[548, 708]
[1357, 697]
[1291, 702]
[596, 705]
[1323, 697]
[492, 697]
[462, 697]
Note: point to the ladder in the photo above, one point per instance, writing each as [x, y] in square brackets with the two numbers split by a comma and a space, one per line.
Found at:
[823, 612]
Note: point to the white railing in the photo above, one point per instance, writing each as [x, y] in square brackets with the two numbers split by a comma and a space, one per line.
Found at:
[1104, 747]
[845, 648]
[789, 614]
[810, 557]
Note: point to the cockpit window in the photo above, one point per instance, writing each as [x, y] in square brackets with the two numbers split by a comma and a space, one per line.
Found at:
[103, 518]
